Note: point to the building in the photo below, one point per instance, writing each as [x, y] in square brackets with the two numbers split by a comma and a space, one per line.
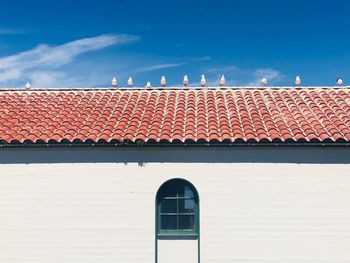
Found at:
[175, 175]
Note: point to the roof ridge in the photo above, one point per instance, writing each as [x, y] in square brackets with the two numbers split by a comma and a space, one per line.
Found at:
[174, 88]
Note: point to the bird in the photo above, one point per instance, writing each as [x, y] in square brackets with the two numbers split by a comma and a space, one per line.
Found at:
[203, 81]
[339, 81]
[130, 81]
[163, 81]
[297, 81]
[28, 86]
[222, 81]
[148, 85]
[114, 82]
[264, 81]
[185, 81]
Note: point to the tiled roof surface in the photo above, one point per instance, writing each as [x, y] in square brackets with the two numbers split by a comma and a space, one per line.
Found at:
[176, 115]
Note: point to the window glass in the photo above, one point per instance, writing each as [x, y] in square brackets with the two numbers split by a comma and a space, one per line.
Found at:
[186, 205]
[188, 192]
[177, 209]
[186, 222]
[169, 206]
[168, 222]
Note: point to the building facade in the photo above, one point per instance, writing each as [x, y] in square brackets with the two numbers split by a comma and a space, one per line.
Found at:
[147, 184]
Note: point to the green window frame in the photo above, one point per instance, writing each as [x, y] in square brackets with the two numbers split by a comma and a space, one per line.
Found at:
[177, 210]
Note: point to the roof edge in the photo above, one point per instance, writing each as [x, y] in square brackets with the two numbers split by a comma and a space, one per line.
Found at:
[174, 88]
[186, 145]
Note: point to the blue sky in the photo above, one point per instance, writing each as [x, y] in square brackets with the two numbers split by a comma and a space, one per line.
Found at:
[86, 43]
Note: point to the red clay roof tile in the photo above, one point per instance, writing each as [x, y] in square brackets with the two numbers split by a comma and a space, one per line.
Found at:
[234, 115]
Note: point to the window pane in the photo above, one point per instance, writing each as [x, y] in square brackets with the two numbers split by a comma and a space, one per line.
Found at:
[186, 206]
[168, 222]
[186, 222]
[170, 191]
[168, 206]
[188, 192]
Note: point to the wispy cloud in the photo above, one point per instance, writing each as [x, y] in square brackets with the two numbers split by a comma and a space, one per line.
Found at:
[42, 65]
[237, 76]
[160, 66]
[10, 31]
[223, 69]
[204, 58]
[64, 65]
[268, 73]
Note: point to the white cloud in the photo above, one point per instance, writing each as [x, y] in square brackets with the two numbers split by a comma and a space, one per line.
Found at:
[268, 73]
[42, 64]
[204, 58]
[223, 69]
[9, 31]
[8, 74]
[63, 66]
[159, 66]
[237, 76]
[46, 79]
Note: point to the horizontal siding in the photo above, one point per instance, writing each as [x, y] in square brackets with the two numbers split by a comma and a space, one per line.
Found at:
[104, 212]
[175, 251]
[288, 214]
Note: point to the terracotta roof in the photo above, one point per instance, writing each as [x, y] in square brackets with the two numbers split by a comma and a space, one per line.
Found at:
[231, 115]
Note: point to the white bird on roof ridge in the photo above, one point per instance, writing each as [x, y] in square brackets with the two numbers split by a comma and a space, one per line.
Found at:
[222, 81]
[297, 81]
[163, 81]
[148, 85]
[185, 81]
[130, 81]
[339, 81]
[114, 82]
[203, 81]
[28, 86]
[264, 81]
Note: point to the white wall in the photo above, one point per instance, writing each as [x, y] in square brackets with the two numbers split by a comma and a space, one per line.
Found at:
[104, 212]
[175, 251]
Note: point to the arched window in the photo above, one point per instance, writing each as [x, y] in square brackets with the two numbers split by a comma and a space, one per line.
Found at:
[177, 210]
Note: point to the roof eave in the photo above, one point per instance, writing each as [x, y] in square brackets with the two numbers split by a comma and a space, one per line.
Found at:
[159, 145]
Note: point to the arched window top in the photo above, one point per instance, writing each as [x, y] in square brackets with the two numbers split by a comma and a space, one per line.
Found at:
[177, 209]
